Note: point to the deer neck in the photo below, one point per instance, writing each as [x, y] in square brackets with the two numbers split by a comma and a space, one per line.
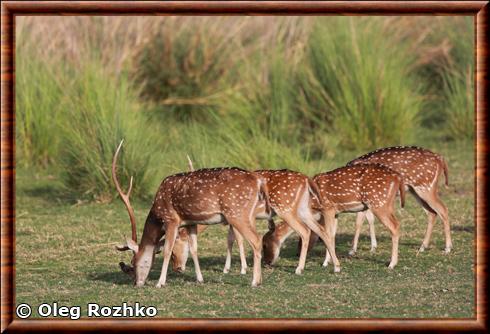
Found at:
[152, 232]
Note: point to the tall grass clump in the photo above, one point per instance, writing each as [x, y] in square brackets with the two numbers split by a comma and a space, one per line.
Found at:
[457, 72]
[101, 113]
[260, 127]
[40, 99]
[361, 83]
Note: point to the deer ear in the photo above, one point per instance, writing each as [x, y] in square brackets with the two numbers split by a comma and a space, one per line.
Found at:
[132, 245]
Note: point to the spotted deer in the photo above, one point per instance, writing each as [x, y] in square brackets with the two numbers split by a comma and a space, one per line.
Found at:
[205, 196]
[290, 197]
[354, 188]
[180, 252]
[421, 170]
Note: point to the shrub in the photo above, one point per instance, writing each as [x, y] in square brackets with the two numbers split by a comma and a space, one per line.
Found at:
[183, 67]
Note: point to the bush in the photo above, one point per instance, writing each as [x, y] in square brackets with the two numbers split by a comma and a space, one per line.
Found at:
[182, 68]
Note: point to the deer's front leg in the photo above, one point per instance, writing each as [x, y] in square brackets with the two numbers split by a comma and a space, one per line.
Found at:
[229, 242]
[370, 219]
[359, 220]
[171, 235]
[329, 239]
[193, 250]
[241, 249]
[333, 230]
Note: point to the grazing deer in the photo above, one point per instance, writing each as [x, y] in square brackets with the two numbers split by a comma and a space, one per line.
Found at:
[290, 195]
[421, 170]
[205, 196]
[354, 188]
[180, 252]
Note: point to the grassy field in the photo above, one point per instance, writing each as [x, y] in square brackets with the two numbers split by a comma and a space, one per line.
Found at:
[65, 253]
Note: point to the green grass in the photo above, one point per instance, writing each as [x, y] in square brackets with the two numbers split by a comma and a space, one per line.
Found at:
[65, 253]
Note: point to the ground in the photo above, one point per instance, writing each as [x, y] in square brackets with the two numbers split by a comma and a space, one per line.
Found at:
[65, 253]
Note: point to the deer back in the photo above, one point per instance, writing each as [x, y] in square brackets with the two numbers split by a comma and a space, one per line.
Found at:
[357, 187]
[418, 166]
[285, 188]
[202, 194]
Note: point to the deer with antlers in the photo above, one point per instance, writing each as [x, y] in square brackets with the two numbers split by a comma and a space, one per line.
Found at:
[421, 170]
[354, 188]
[205, 196]
[291, 197]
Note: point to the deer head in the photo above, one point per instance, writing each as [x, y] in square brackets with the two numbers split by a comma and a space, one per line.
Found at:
[142, 255]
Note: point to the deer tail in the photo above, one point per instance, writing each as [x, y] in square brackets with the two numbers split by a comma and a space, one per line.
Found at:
[445, 170]
[264, 193]
[313, 187]
[401, 188]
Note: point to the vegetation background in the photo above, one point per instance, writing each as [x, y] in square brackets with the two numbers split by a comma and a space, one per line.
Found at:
[302, 93]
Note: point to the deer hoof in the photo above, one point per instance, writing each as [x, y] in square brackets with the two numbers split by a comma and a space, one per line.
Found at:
[243, 271]
[373, 249]
[447, 250]
[422, 249]
[226, 271]
[298, 271]
[336, 269]
[352, 252]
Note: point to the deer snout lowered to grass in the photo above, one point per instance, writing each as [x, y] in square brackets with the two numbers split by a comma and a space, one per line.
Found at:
[206, 196]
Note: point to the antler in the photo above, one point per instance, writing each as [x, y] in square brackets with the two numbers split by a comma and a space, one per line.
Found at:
[124, 197]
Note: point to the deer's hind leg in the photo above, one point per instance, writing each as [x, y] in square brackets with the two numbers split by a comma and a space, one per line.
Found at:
[246, 227]
[433, 207]
[388, 219]
[304, 234]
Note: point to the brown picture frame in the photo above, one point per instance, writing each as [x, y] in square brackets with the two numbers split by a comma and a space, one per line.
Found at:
[11, 9]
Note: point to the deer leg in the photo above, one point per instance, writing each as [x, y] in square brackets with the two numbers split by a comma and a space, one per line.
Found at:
[437, 206]
[328, 257]
[241, 249]
[170, 236]
[431, 219]
[304, 234]
[232, 235]
[246, 228]
[193, 249]
[324, 233]
[230, 240]
[370, 219]
[388, 219]
[359, 221]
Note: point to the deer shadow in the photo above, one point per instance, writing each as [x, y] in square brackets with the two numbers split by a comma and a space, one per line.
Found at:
[212, 263]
